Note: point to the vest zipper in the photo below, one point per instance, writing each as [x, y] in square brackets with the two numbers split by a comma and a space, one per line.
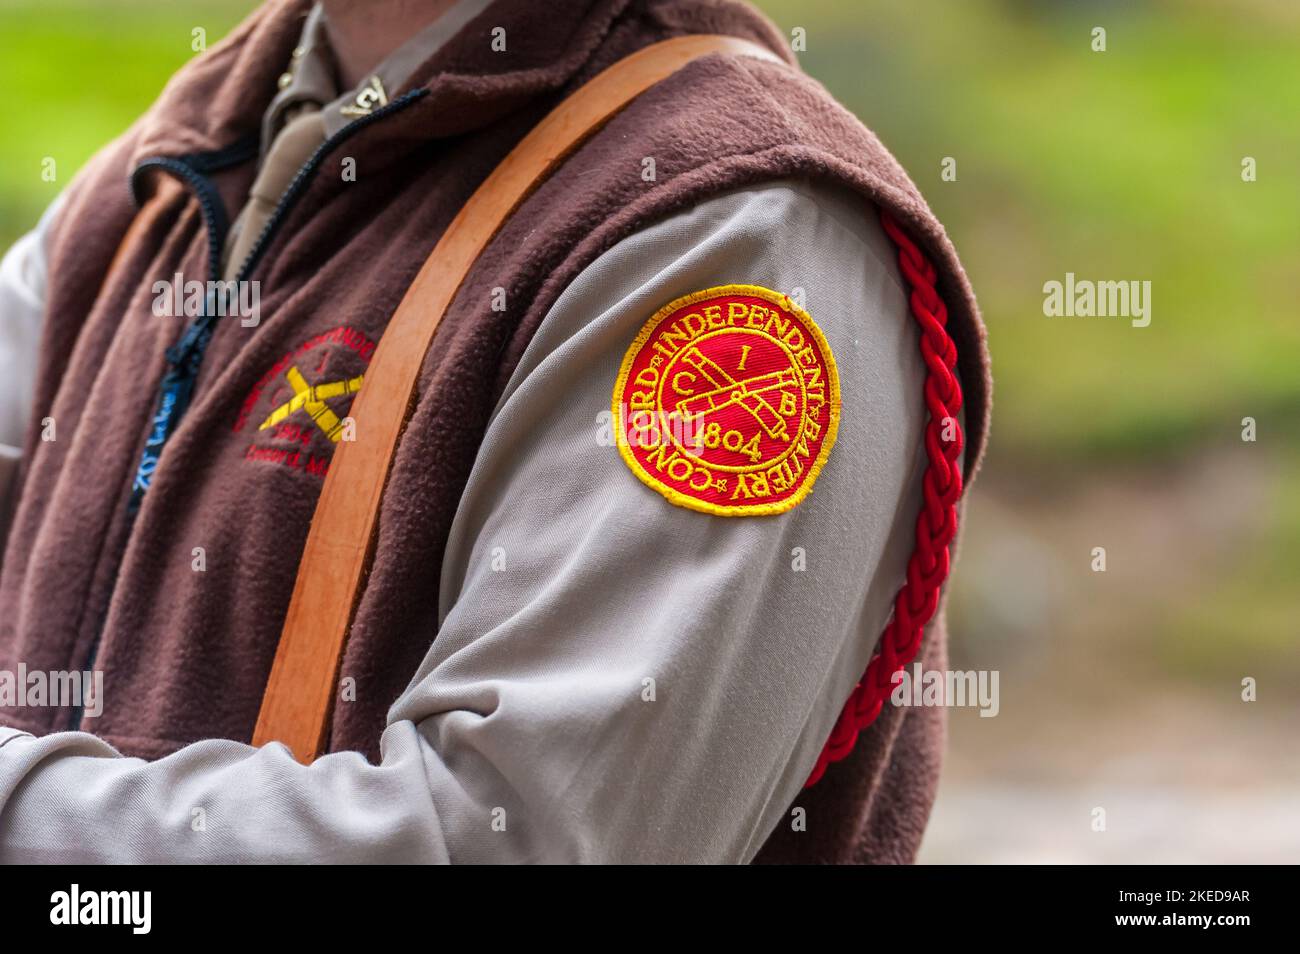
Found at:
[186, 356]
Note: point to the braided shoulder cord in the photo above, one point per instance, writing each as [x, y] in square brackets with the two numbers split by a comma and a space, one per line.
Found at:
[927, 569]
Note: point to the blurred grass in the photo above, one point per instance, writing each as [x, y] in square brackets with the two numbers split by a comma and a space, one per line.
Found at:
[76, 73]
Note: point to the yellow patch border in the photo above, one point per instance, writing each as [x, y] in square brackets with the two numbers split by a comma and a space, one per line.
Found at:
[685, 500]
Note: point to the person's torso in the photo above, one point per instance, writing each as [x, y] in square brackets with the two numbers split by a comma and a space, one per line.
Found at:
[181, 604]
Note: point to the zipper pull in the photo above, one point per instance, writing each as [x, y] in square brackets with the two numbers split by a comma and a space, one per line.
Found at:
[185, 354]
[183, 349]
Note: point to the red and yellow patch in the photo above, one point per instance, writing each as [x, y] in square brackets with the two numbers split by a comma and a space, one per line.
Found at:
[728, 402]
[300, 406]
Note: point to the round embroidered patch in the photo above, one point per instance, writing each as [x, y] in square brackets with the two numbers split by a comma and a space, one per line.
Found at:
[728, 402]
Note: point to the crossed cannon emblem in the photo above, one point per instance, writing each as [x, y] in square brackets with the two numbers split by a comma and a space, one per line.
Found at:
[311, 398]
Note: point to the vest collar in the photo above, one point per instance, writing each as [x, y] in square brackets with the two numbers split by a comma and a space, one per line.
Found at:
[220, 98]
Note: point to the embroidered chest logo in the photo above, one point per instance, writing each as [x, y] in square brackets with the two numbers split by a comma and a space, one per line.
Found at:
[728, 402]
[298, 409]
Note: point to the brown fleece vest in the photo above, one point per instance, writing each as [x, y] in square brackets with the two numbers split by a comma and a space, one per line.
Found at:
[186, 654]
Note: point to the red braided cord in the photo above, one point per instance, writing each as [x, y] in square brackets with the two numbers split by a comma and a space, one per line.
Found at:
[936, 525]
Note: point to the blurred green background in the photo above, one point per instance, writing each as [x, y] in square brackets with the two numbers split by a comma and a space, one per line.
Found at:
[1121, 688]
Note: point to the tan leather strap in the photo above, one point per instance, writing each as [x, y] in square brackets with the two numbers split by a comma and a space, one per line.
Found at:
[300, 693]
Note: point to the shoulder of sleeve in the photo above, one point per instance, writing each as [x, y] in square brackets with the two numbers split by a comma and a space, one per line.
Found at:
[819, 242]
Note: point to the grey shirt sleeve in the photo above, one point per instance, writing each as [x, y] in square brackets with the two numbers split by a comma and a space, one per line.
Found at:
[615, 678]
